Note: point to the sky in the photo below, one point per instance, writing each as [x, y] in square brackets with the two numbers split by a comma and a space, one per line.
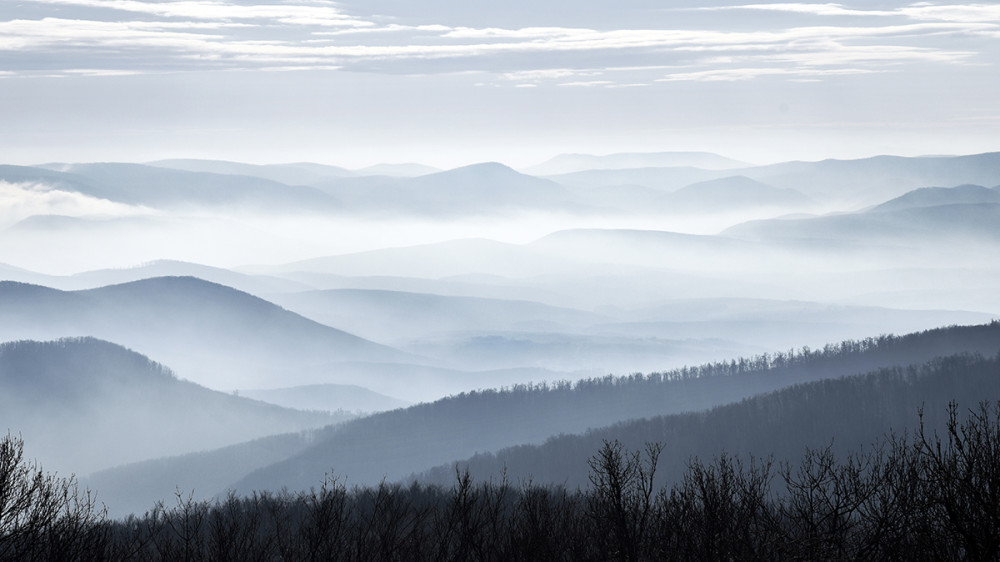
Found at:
[359, 82]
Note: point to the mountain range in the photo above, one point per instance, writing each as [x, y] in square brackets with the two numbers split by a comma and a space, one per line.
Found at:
[208, 333]
[396, 444]
[206, 325]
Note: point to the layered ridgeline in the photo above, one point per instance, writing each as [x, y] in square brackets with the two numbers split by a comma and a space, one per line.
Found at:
[155, 187]
[630, 183]
[846, 184]
[84, 404]
[846, 414]
[207, 333]
[397, 444]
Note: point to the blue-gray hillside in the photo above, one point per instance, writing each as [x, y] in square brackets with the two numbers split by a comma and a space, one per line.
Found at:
[733, 193]
[869, 181]
[934, 196]
[156, 187]
[479, 189]
[850, 414]
[662, 179]
[289, 174]
[568, 163]
[917, 226]
[60, 180]
[387, 315]
[207, 332]
[327, 397]
[84, 404]
[402, 442]
[394, 444]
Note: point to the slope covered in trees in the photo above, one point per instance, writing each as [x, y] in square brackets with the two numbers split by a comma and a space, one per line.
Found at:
[845, 414]
[929, 496]
[398, 443]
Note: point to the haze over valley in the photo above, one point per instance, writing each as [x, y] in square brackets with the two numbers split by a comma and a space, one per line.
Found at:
[362, 293]
[275, 254]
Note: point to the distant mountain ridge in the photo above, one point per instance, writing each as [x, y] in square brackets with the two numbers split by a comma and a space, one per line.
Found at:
[207, 332]
[733, 193]
[900, 223]
[486, 188]
[290, 174]
[567, 163]
[157, 187]
[934, 196]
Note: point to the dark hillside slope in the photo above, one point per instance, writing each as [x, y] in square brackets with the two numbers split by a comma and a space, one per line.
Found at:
[394, 444]
[846, 413]
[85, 404]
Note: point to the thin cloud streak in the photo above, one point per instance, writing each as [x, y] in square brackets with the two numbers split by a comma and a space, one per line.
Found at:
[966, 13]
[324, 15]
[201, 41]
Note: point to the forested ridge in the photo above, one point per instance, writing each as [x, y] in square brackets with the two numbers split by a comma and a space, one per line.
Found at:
[927, 496]
[845, 413]
[398, 444]
[487, 420]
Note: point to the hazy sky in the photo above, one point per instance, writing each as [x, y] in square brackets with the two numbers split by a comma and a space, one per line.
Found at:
[447, 83]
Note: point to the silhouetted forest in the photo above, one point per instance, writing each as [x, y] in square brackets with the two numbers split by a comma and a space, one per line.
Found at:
[924, 496]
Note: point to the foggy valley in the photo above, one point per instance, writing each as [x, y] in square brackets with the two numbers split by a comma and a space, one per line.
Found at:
[167, 374]
[343, 280]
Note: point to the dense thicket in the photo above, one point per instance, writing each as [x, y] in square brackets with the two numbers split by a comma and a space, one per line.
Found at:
[929, 496]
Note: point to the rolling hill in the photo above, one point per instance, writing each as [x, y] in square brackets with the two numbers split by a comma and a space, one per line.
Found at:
[919, 226]
[934, 196]
[165, 188]
[567, 163]
[480, 189]
[390, 315]
[398, 443]
[288, 174]
[84, 404]
[869, 181]
[848, 414]
[733, 194]
[208, 333]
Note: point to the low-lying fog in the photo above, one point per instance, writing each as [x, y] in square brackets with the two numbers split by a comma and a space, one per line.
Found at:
[389, 290]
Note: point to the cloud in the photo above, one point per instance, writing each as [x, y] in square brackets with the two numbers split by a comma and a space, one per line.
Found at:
[322, 13]
[215, 34]
[24, 199]
[802, 8]
[588, 83]
[967, 13]
[741, 74]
